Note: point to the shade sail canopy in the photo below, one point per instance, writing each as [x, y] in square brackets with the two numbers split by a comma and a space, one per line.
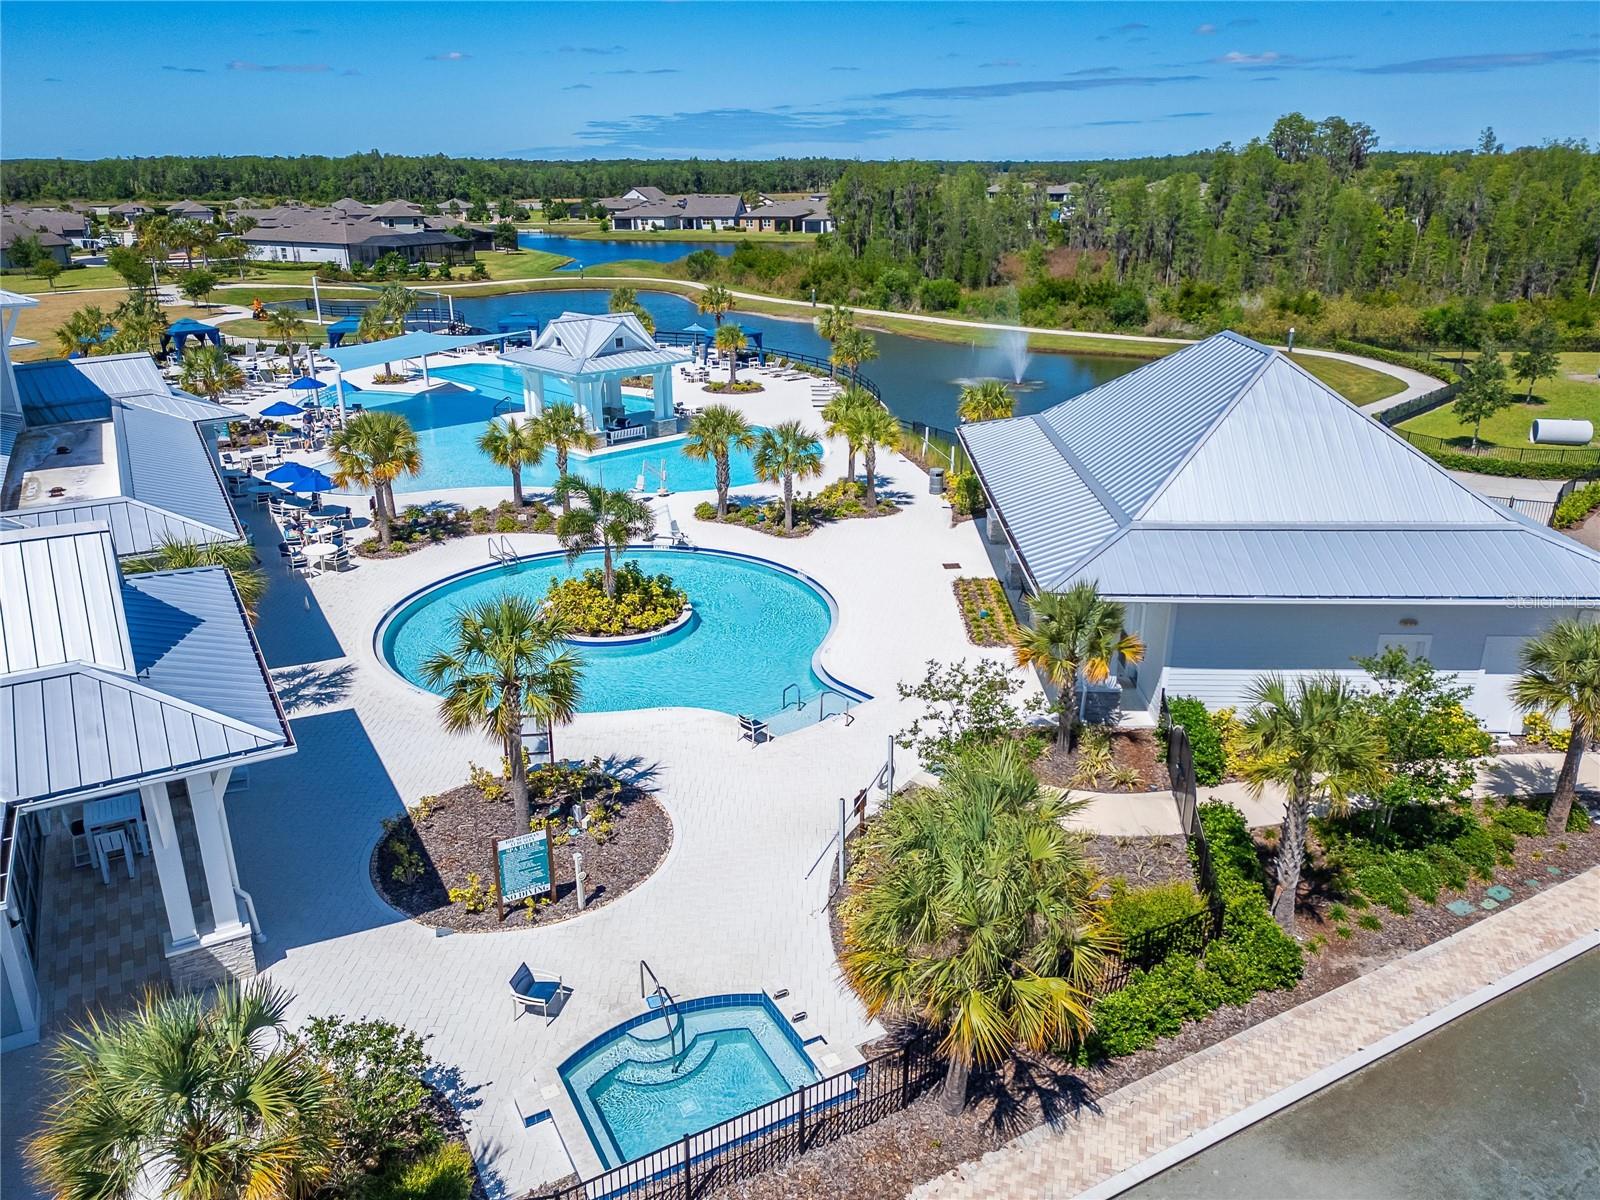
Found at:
[517, 322]
[407, 345]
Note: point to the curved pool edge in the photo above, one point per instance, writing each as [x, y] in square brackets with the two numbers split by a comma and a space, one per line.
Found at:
[849, 691]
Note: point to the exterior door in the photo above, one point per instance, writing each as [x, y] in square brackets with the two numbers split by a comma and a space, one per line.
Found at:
[1492, 699]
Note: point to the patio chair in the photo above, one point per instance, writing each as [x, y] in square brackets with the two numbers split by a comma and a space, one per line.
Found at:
[752, 730]
[534, 992]
[108, 842]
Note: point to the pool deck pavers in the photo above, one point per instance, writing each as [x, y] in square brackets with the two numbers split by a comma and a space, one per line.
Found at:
[1162, 1110]
[738, 905]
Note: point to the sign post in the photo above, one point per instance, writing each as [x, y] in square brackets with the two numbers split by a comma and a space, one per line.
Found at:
[523, 867]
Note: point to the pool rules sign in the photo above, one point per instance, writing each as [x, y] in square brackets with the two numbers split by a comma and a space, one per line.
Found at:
[524, 869]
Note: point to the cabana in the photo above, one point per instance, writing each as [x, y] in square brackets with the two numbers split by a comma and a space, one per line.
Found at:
[339, 330]
[587, 357]
[396, 349]
[184, 328]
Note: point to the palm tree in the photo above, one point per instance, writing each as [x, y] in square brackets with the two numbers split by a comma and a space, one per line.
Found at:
[373, 449]
[561, 428]
[140, 324]
[974, 911]
[204, 1095]
[731, 340]
[1075, 632]
[623, 299]
[838, 413]
[81, 332]
[830, 325]
[286, 328]
[989, 400]
[1312, 737]
[208, 371]
[507, 659]
[713, 431]
[784, 453]
[513, 444]
[1561, 671]
[871, 427]
[716, 300]
[396, 302]
[852, 348]
[237, 558]
[610, 520]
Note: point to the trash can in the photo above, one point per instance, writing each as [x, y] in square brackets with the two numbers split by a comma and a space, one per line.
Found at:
[935, 481]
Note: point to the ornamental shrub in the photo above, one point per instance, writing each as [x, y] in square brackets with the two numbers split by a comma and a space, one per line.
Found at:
[1132, 911]
[1205, 741]
[443, 1173]
[1577, 506]
[1519, 820]
[641, 602]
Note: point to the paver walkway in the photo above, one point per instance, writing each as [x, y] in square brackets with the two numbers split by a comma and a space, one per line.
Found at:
[1161, 1110]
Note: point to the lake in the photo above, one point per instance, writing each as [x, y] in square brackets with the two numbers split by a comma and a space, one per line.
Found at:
[586, 252]
[920, 379]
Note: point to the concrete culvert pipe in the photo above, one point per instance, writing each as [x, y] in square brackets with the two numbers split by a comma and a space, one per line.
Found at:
[1548, 432]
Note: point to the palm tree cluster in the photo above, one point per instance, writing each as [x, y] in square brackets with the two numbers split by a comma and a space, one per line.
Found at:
[717, 301]
[626, 300]
[973, 911]
[506, 659]
[372, 450]
[208, 371]
[1075, 633]
[713, 432]
[513, 444]
[986, 400]
[184, 1096]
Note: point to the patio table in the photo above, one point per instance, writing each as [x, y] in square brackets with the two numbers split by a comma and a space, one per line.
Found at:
[114, 812]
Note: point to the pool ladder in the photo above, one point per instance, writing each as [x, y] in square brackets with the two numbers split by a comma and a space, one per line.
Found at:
[659, 998]
[501, 551]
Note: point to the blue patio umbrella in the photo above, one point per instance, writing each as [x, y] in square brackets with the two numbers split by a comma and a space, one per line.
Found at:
[307, 383]
[697, 328]
[281, 408]
[310, 480]
[288, 472]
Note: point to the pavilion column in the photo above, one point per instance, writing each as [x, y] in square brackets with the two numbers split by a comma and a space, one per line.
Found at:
[211, 829]
[16, 965]
[338, 383]
[168, 853]
[663, 392]
[533, 393]
[426, 382]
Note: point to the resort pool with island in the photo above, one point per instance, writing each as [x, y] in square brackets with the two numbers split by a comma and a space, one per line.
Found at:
[755, 632]
[649, 1081]
[448, 426]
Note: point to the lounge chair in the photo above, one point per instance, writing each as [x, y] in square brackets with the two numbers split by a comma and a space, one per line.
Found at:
[534, 992]
[752, 730]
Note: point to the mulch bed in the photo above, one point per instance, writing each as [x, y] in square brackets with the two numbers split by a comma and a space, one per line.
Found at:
[1135, 748]
[455, 838]
[886, 1160]
[985, 611]
[1142, 861]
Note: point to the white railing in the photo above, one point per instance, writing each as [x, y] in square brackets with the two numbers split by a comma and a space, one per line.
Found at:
[628, 434]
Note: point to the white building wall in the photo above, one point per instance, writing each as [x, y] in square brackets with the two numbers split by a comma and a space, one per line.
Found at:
[1216, 651]
[283, 252]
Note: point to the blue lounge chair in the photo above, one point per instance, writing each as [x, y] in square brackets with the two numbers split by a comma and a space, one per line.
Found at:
[535, 993]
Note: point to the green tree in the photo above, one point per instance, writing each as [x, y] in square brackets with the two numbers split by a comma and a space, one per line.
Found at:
[610, 519]
[852, 348]
[1075, 633]
[623, 299]
[372, 450]
[987, 400]
[838, 414]
[713, 432]
[25, 252]
[1561, 673]
[1314, 738]
[872, 427]
[140, 325]
[46, 268]
[513, 444]
[286, 328]
[208, 371]
[730, 341]
[197, 284]
[237, 558]
[973, 910]
[1482, 391]
[83, 332]
[130, 264]
[784, 453]
[561, 427]
[716, 300]
[506, 660]
[833, 323]
[201, 1094]
[1537, 359]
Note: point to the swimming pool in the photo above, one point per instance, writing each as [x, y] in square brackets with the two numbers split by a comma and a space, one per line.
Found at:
[755, 632]
[646, 1083]
[448, 427]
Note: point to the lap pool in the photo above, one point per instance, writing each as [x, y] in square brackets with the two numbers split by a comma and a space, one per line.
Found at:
[754, 636]
[661, 1075]
[448, 427]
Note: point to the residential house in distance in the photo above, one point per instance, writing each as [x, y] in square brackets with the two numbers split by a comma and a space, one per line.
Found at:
[191, 210]
[73, 225]
[648, 208]
[318, 236]
[12, 231]
[789, 216]
[1253, 521]
[130, 211]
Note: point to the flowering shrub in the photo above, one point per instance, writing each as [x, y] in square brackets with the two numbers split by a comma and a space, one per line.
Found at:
[641, 603]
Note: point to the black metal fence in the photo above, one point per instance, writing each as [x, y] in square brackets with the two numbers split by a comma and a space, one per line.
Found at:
[1418, 405]
[1577, 457]
[767, 1137]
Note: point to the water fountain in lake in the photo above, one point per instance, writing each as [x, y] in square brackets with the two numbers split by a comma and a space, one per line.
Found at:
[1007, 360]
[1014, 349]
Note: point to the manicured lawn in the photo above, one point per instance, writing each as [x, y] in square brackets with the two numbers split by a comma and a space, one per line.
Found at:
[40, 321]
[1359, 385]
[523, 264]
[74, 279]
[1560, 397]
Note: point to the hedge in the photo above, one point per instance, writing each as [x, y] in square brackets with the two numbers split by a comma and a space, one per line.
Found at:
[1205, 739]
[1252, 955]
[1577, 506]
[1489, 464]
[1396, 358]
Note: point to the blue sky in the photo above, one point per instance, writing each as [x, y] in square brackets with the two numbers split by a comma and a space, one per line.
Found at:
[754, 79]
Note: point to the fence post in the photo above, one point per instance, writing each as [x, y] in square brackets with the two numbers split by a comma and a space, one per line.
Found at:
[905, 1076]
[802, 1118]
[688, 1187]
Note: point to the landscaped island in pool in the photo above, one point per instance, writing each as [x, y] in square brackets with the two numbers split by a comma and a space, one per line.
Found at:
[448, 426]
[651, 1080]
[755, 633]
